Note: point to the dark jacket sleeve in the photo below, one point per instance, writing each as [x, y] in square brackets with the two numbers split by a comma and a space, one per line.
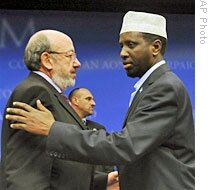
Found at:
[150, 124]
[100, 180]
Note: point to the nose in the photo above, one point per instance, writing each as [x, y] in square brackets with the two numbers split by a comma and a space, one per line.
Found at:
[77, 63]
[123, 53]
[93, 103]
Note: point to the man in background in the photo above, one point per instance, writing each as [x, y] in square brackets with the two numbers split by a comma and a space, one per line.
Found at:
[82, 101]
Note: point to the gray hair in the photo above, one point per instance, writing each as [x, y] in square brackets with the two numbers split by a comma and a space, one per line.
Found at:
[35, 47]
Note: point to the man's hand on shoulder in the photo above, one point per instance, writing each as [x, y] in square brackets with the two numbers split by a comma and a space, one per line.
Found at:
[37, 121]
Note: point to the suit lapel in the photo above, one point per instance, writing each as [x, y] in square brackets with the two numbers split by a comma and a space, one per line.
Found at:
[60, 99]
[138, 96]
[68, 108]
[136, 99]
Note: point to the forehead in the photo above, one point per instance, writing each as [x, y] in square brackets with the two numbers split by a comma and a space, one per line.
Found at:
[84, 93]
[130, 36]
[63, 43]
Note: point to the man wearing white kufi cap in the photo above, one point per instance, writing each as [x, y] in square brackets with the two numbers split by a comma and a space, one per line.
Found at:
[155, 148]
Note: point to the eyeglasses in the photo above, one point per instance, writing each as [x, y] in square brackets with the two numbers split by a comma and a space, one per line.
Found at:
[67, 54]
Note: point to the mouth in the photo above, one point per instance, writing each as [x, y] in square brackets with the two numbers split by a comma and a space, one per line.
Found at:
[74, 74]
[91, 110]
[126, 65]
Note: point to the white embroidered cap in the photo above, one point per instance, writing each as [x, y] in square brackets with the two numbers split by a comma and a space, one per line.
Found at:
[144, 22]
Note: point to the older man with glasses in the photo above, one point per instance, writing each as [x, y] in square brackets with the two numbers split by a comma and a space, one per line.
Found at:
[51, 59]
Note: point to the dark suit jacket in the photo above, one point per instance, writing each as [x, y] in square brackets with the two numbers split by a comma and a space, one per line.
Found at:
[101, 171]
[154, 150]
[25, 163]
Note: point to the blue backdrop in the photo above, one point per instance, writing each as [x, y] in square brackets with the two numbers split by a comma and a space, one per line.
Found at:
[95, 37]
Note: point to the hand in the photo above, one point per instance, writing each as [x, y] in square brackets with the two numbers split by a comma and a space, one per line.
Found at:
[113, 181]
[36, 121]
[114, 186]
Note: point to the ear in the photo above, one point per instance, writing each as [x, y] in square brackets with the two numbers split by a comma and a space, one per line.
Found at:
[156, 47]
[74, 100]
[46, 61]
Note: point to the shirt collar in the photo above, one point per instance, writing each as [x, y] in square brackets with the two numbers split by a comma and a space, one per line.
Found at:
[84, 120]
[48, 79]
[147, 74]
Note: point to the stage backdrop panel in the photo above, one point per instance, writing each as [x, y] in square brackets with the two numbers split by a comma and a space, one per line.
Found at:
[95, 37]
